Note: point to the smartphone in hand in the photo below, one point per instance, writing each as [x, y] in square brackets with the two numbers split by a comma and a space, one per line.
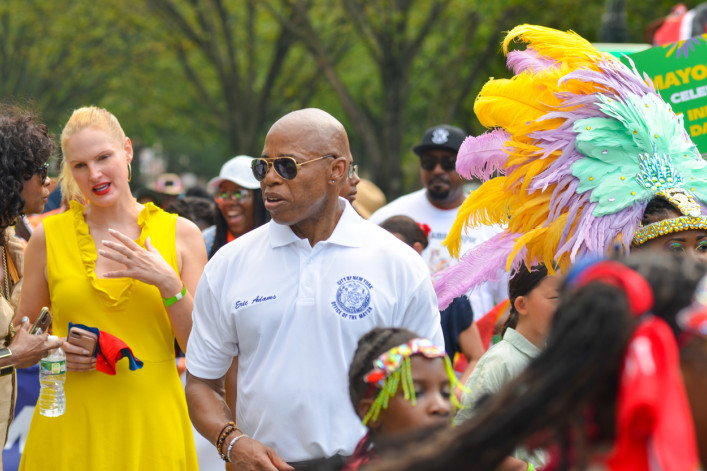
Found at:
[42, 323]
[83, 338]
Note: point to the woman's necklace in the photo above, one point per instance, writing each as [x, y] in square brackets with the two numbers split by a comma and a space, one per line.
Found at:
[6, 277]
[6, 289]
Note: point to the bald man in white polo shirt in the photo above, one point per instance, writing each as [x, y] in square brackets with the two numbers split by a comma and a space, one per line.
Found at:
[290, 300]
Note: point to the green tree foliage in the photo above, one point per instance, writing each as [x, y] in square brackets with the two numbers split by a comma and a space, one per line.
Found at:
[204, 79]
[243, 65]
[56, 55]
[390, 36]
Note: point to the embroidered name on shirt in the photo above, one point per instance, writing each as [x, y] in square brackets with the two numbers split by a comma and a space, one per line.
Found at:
[258, 299]
[353, 298]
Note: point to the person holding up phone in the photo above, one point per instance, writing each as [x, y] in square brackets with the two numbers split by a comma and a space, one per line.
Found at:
[25, 148]
[128, 270]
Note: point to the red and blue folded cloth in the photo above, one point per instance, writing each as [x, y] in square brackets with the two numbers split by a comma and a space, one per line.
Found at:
[110, 349]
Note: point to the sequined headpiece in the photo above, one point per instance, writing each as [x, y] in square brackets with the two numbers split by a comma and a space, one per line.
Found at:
[580, 144]
[658, 174]
[392, 369]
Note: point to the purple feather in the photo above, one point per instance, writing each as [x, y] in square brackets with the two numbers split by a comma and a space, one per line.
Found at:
[478, 265]
[614, 77]
[481, 156]
[528, 61]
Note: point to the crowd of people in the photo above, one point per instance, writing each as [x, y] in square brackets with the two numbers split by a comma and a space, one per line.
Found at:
[322, 333]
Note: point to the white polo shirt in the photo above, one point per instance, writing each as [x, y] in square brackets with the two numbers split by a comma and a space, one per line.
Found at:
[293, 315]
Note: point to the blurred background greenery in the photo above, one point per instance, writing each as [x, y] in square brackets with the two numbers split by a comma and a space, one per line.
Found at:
[199, 81]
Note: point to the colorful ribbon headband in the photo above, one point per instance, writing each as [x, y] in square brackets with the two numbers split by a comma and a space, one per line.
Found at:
[392, 360]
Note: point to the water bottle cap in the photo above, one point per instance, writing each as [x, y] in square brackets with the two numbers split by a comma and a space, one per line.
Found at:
[52, 337]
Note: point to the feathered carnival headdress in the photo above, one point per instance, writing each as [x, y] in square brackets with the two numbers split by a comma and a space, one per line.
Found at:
[581, 144]
[392, 369]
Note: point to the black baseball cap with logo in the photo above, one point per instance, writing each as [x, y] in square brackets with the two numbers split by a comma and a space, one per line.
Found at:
[443, 136]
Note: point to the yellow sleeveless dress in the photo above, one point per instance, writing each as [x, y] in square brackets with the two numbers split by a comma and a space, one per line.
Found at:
[135, 420]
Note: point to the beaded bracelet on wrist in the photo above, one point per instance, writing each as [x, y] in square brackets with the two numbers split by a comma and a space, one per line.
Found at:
[225, 431]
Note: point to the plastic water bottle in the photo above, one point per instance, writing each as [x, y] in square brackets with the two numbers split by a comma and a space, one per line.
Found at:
[52, 374]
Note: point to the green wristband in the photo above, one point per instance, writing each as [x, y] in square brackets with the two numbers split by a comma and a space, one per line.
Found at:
[177, 297]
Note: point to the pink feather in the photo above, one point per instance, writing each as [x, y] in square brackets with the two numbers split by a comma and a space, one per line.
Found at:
[481, 156]
[483, 263]
[528, 60]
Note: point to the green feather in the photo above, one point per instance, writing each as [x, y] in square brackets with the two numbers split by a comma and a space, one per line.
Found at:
[613, 146]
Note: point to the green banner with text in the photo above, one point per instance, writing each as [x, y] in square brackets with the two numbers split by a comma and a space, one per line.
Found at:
[679, 72]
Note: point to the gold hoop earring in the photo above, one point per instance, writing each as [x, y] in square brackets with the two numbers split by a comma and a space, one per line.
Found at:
[130, 173]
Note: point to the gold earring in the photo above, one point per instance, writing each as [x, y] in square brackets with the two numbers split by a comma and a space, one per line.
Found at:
[130, 173]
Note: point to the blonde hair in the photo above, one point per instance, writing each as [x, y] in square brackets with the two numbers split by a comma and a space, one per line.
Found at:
[82, 118]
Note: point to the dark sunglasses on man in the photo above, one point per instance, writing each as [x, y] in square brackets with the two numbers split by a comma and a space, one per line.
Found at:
[286, 167]
[429, 162]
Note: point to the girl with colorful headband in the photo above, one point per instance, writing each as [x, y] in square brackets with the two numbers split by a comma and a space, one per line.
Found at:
[607, 392]
[400, 385]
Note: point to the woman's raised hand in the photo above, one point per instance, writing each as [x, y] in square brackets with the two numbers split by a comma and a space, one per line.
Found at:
[146, 265]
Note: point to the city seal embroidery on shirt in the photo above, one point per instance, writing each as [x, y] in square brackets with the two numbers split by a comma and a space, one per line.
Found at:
[353, 298]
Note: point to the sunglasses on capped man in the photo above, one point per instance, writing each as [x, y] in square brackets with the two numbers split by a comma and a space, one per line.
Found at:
[429, 162]
[286, 167]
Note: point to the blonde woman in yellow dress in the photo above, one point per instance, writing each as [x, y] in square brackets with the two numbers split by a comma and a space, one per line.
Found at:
[129, 270]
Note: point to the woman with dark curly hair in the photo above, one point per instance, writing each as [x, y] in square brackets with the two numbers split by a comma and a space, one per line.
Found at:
[25, 147]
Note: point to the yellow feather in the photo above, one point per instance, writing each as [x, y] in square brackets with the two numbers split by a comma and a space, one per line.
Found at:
[511, 103]
[521, 242]
[552, 238]
[487, 205]
[567, 48]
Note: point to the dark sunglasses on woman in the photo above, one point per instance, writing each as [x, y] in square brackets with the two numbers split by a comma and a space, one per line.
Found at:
[43, 172]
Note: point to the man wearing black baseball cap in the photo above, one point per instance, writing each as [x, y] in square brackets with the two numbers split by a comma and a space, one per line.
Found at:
[436, 206]
[438, 157]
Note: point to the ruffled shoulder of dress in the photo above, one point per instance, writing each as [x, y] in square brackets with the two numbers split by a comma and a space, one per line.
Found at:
[87, 247]
[149, 211]
[148, 215]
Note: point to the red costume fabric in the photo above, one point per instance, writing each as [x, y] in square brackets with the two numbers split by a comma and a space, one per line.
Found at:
[654, 422]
